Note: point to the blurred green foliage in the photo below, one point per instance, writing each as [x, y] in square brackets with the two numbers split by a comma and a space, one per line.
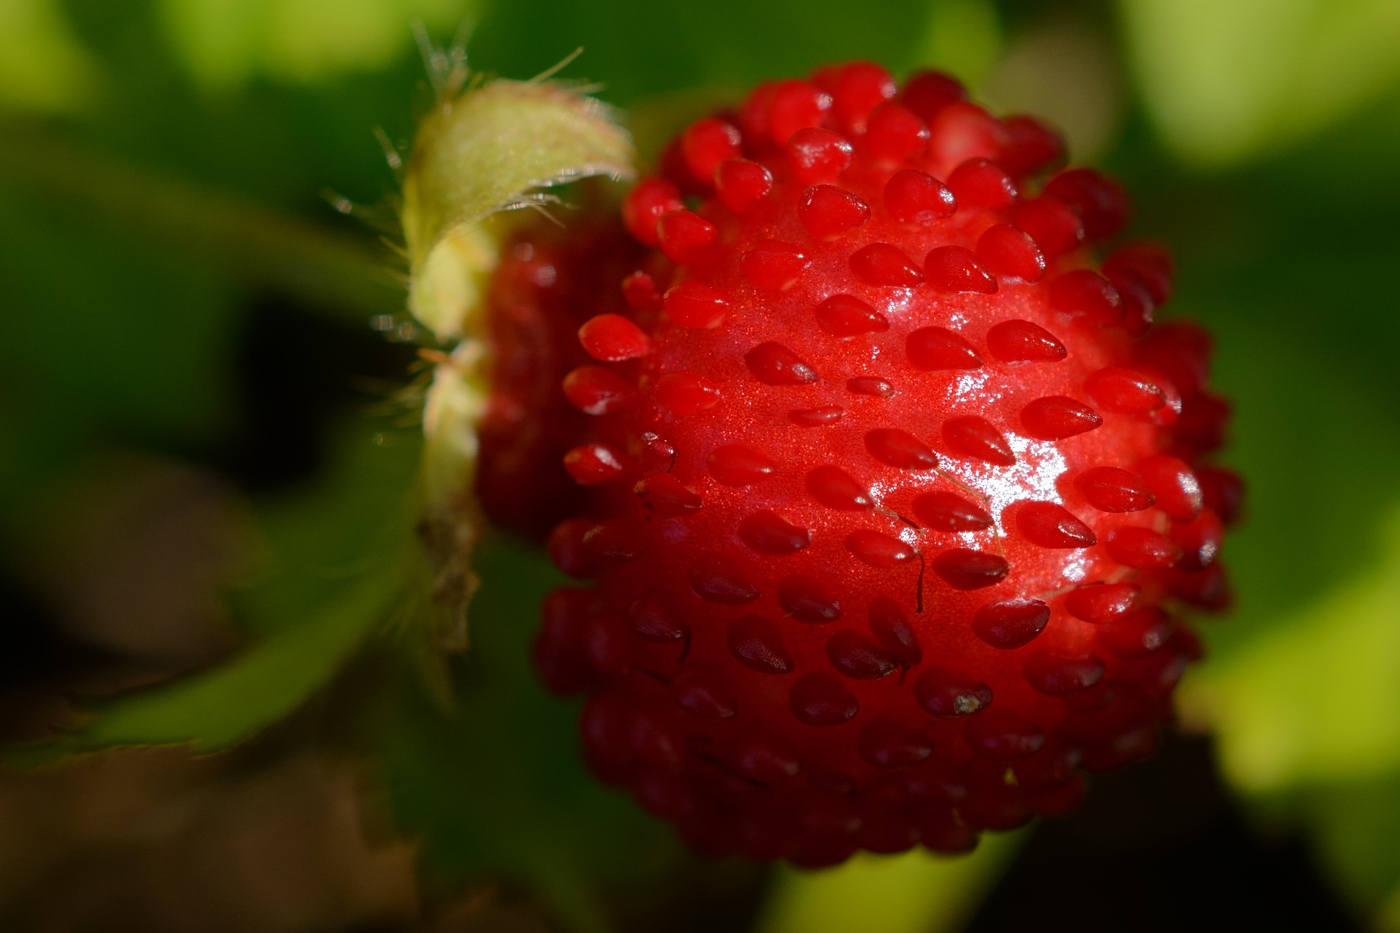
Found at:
[164, 165]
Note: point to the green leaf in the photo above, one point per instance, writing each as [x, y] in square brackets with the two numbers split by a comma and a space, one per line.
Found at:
[357, 520]
[224, 43]
[334, 568]
[639, 48]
[963, 38]
[221, 707]
[1316, 699]
[43, 67]
[918, 892]
[1227, 79]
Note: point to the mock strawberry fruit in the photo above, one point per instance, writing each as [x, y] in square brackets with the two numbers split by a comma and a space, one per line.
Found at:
[896, 490]
[551, 279]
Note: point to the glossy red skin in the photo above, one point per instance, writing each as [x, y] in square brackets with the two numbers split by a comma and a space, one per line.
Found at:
[843, 796]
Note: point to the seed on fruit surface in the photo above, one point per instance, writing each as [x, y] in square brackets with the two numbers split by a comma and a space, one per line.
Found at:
[640, 292]
[1110, 489]
[1001, 735]
[899, 448]
[757, 643]
[834, 488]
[1140, 633]
[686, 393]
[1011, 253]
[937, 348]
[742, 185]
[772, 265]
[956, 269]
[1101, 204]
[653, 617]
[593, 464]
[1055, 228]
[820, 417]
[667, 496]
[918, 199]
[1199, 540]
[848, 316]
[856, 89]
[946, 511]
[1012, 623]
[769, 533]
[701, 690]
[1124, 391]
[853, 655]
[878, 549]
[819, 699]
[1099, 603]
[762, 757]
[869, 385]
[1081, 291]
[740, 465]
[964, 569]
[829, 211]
[945, 692]
[692, 304]
[981, 185]
[720, 579]
[887, 743]
[961, 131]
[706, 143]
[1149, 263]
[928, 92]
[1048, 525]
[1174, 485]
[817, 156]
[891, 628]
[808, 599]
[645, 203]
[776, 365]
[1222, 490]
[686, 237]
[1060, 675]
[1024, 342]
[1143, 548]
[894, 134]
[975, 437]
[1032, 146]
[883, 264]
[597, 391]
[612, 338]
[612, 542]
[1056, 417]
[795, 105]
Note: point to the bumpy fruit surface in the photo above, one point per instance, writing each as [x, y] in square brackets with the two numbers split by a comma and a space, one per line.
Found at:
[895, 489]
[551, 279]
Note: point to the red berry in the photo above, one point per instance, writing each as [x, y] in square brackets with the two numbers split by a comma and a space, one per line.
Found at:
[906, 472]
[1031, 146]
[706, 144]
[552, 284]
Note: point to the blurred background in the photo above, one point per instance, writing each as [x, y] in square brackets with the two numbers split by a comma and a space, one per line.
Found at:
[213, 715]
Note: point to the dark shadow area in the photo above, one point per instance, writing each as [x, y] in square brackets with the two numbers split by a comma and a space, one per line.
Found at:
[1161, 848]
[296, 369]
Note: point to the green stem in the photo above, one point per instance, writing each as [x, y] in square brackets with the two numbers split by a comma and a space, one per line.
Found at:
[332, 272]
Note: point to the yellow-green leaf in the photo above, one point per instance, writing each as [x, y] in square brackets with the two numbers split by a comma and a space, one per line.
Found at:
[1226, 79]
[1317, 698]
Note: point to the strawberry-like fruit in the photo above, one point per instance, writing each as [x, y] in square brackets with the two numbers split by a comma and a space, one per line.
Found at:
[896, 490]
[550, 280]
